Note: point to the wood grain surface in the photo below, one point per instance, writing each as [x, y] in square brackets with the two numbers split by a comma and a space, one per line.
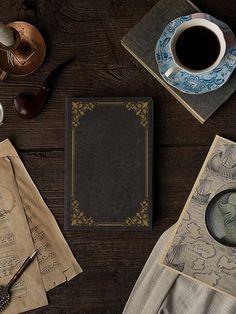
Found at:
[91, 31]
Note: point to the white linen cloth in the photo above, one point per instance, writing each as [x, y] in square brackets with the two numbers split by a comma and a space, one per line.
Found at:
[162, 291]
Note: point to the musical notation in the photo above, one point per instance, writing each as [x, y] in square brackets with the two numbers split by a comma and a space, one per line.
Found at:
[19, 289]
[7, 239]
[8, 265]
[3, 216]
[48, 268]
[47, 258]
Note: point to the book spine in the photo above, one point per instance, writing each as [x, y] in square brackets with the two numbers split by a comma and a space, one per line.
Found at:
[67, 175]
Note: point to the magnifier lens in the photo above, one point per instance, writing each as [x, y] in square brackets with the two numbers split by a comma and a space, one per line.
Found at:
[221, 217]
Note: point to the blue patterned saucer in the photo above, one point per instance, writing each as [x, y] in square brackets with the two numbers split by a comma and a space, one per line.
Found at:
[197, 83]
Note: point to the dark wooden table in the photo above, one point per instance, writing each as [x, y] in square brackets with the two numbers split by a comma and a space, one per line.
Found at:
[92, 30]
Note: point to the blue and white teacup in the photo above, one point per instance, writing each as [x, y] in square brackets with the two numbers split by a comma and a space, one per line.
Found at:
[177, 65]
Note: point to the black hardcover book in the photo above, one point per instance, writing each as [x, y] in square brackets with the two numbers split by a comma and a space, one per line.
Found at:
[108, 163]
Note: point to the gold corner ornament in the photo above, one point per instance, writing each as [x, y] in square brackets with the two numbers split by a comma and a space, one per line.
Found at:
[141, 218]
[78, 218]
[78, 111]
[141, 110]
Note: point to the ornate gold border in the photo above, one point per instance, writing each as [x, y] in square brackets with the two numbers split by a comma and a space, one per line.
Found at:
[141, 218]
[78, 217]
[78, 111]
[141, 110]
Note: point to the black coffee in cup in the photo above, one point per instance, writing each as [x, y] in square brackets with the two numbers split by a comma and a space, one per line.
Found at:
[197, 48]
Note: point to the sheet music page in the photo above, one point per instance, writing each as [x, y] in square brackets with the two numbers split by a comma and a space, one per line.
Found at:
[16, 245]
[56, 261]
[26, 225]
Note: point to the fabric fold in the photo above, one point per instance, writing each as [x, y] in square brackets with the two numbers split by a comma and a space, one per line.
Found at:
[162, 291]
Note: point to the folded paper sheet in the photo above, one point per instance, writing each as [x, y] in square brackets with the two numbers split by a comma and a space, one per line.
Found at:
[26, 224]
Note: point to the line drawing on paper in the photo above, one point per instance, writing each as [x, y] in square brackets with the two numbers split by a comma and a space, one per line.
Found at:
[186, 217]
[206, 259]
[203, 248]
[202, 195]
[194, 231]
[212, 277]
[176, 255]
[225, 264]
[199, 264]
[223, 162]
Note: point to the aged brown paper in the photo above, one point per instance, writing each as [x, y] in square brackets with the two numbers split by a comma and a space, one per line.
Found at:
[16, 245]
[55, 259]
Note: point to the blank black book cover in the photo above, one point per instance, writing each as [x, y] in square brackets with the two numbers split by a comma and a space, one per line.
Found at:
[108, 163]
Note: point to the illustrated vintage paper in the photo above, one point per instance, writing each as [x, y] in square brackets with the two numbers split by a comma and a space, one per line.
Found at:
[56, 261]
[192, 251]
[34, 228]
[16, 245]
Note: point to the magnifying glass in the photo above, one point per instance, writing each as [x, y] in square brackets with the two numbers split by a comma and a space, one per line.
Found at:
[220, 217]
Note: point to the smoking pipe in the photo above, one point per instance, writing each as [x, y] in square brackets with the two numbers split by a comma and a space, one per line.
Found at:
[28, 106]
